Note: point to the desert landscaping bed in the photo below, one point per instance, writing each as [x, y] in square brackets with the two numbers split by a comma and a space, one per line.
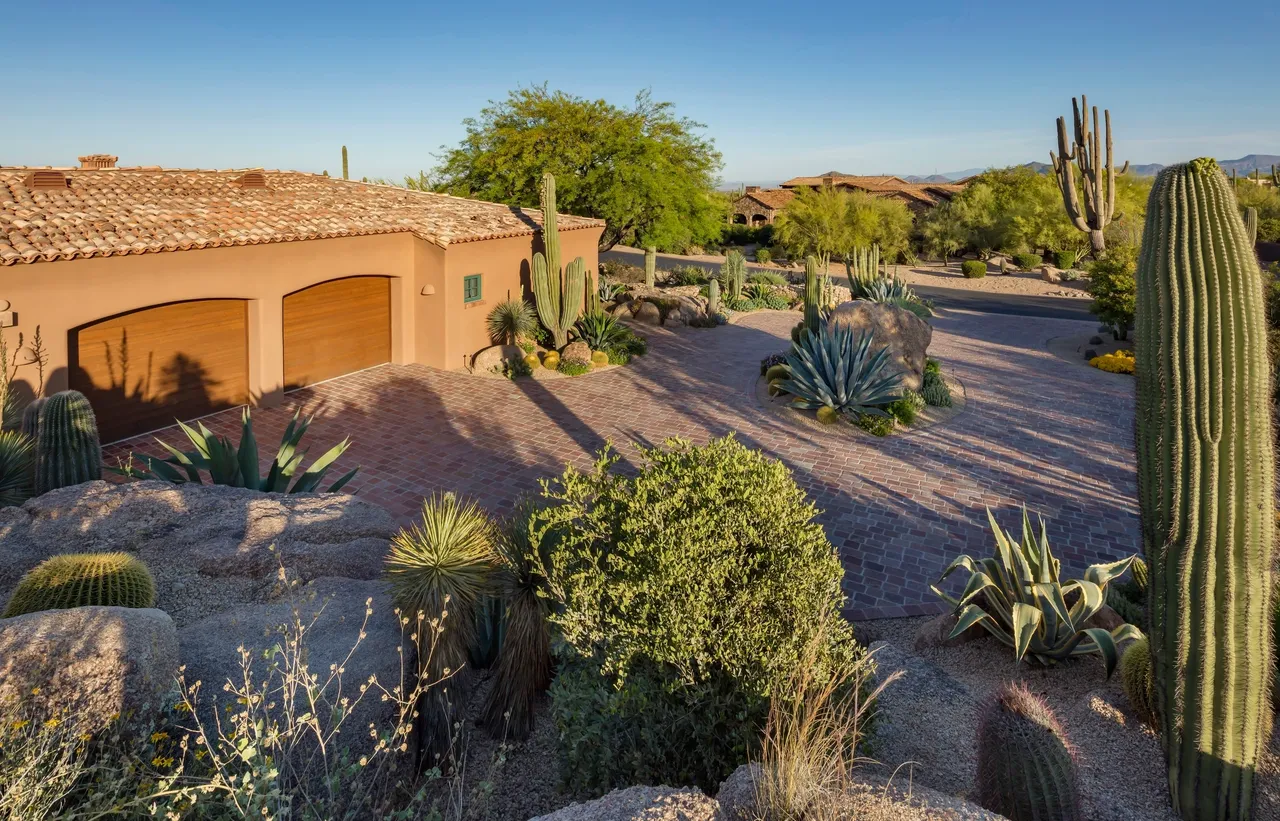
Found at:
[930, 416]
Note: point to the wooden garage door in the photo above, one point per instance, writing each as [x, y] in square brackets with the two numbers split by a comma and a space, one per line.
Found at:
[144, 369]
[336, 327]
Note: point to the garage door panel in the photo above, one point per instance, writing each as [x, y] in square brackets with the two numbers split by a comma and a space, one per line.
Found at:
[144, 369]
[336, 327]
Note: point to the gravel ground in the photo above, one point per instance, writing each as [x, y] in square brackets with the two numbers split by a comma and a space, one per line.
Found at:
[1123, 775]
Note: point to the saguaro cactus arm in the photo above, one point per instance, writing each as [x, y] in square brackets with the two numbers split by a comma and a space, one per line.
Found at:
[1098, 181]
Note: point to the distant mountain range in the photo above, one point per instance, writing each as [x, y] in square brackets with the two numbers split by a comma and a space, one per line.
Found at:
[1244, 166]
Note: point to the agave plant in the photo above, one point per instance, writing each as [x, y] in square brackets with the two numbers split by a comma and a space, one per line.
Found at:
[609, 291]
[511, 319]
[1017, 596]
[17, 461]
[833, 368]
[600, 331]
[237, 466]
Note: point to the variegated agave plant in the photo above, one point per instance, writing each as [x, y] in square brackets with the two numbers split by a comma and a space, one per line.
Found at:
[833, 368]
[1017, 596]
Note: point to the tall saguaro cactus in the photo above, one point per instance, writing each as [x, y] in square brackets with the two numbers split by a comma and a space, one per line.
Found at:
[1251, 225]
[1206, 488]
[344, 163]
[1275, 176]
[1098, 181]
[812, 294]
[650, 265]
[558, 297]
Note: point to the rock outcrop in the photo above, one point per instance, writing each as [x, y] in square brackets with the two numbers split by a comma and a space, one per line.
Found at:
[491, 359]
[906, 335]
[641, 804]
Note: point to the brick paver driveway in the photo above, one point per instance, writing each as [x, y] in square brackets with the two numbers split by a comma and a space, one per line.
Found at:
[1037, 431]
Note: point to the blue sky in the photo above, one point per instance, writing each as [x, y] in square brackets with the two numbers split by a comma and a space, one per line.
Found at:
[785, 88]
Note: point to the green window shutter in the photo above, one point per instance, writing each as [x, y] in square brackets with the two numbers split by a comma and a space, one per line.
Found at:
[471, 291]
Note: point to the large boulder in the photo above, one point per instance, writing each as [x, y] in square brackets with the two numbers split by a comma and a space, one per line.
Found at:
[646, 312]
[211, 548]
[95, 664]
[906, 335]
[641, 804]
[925, 720]
[338, 615]
[578, 350]
[494, 357]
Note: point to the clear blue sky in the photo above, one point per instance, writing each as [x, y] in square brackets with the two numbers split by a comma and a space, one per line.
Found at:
[784, 88]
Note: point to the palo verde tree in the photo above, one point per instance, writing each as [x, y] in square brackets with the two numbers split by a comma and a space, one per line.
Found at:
[647, 172]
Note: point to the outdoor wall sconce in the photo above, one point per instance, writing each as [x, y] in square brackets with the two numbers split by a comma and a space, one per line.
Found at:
[428, 290]
[8, 318]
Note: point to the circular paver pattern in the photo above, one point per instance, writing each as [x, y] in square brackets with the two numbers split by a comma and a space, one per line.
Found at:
[1054, 438]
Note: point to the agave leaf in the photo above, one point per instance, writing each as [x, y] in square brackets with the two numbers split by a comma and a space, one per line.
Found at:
[1051, 594]
[342, 481]
[1026, 620]
[977, 583]
[224, 468]
[1089, 602]
[313, 475]
[1105, 645]
[163, 470]
[190, 461]
[1103, 574]
[971, 615]
[248, 453]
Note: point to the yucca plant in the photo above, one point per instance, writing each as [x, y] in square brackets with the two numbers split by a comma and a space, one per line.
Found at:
[440, 568]
[510, 320]
[834, 368]
[17, 462]
[237, 466]
[600, 331]
[523, 669]
[1017, 596]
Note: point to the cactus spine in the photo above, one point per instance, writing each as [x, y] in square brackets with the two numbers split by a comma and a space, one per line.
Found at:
[81, 580]
[558, 297]
[1099, 181]
[1026, 765]
[344, 163]
[734, 273]
[812, 295]
[713, 297]
[650, 265]
[67, 451]
[1206, 488]
[1251, 225]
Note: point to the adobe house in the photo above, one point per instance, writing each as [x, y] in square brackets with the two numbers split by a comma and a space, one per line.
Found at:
[919, 197]
[174, 293]
[758, 207]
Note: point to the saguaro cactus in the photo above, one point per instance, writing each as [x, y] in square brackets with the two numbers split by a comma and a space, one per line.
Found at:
[592, 294]
[650, 265]
[713, 297]
[1099, 181]
[734, 273]
[1251, 225]
[558, 297]
[1275, 176]
[344, 163]
[1205, 488]
[812, 294]
[862, 266]
[68, 451]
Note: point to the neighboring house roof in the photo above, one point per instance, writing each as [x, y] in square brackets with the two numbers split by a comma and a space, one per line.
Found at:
[113, 211]
[772, 198]
[855, 180]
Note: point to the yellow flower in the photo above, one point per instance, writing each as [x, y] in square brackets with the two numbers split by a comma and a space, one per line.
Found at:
[158, 737]
[1116, 362]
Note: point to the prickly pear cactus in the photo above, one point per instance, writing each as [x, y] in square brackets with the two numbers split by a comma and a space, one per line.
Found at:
[83, 579]
[68, 451]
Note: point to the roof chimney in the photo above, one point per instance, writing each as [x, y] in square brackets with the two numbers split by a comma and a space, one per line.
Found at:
[751, 189]
[96, 161]
[828, 181]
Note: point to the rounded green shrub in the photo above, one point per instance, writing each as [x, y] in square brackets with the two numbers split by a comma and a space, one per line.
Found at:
[935, 390]
[875, 424]
[685, 592]
[904, 410]
[973, 268]
[1138, 680]
[83, 579]
[1028, 261]
[763, 256]
[573, 367]
[767, 277]
[932, 366]
[1066, 259]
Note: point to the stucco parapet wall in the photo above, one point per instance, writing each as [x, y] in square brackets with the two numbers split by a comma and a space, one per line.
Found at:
[121, 211]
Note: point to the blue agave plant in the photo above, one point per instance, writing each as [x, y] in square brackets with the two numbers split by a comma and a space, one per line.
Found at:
[833, 368]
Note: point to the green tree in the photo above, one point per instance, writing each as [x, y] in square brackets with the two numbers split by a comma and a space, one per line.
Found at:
[882, 221]
[1114, 288]
[645, 171]
[943, 232]
[816, 222]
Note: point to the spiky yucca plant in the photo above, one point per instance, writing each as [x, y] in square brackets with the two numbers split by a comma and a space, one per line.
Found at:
[523, 669]
[1026, 764]
[237, 466]
[17, 460]
[832, 367]
[511, 319]
[83, 579]
[439, 568]
[1017, 597]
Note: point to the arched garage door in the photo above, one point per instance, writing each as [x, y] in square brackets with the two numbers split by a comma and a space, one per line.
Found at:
[144, 369]
[336, 327]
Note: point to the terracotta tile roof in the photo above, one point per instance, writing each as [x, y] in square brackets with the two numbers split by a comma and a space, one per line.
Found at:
[774, 198]
[858, 181]
[110, 211]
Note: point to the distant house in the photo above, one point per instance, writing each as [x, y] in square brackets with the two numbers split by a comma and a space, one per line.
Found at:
[759, 206]
[919, 197]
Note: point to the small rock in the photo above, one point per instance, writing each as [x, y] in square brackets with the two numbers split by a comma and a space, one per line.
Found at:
[647, 313]
[1090, 353]
[641, 804]
[1095, 340]
[576, 350]
[96, 663]
[737, 794]
[1050, 274]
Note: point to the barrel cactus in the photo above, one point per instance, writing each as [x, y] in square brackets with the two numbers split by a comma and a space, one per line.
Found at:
[67, 450]
[1205, 488]
[1139, 685]
[83, 579]
[1026, 764]
[31, 418]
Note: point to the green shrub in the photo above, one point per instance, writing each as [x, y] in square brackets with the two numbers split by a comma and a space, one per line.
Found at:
[771, 360]
[1066, 259]
[1114, 288]
[932, 366]
[238, 466]
[875, 425]
[687, 275]
[515, 368]
[767, 277]
[685, 592]
[776, 301]
[763, 256]
[973, 268]
[904, 411]
[1028, 262]
[573, 367]
[83, 579]
[17, 461]
[935, 390]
